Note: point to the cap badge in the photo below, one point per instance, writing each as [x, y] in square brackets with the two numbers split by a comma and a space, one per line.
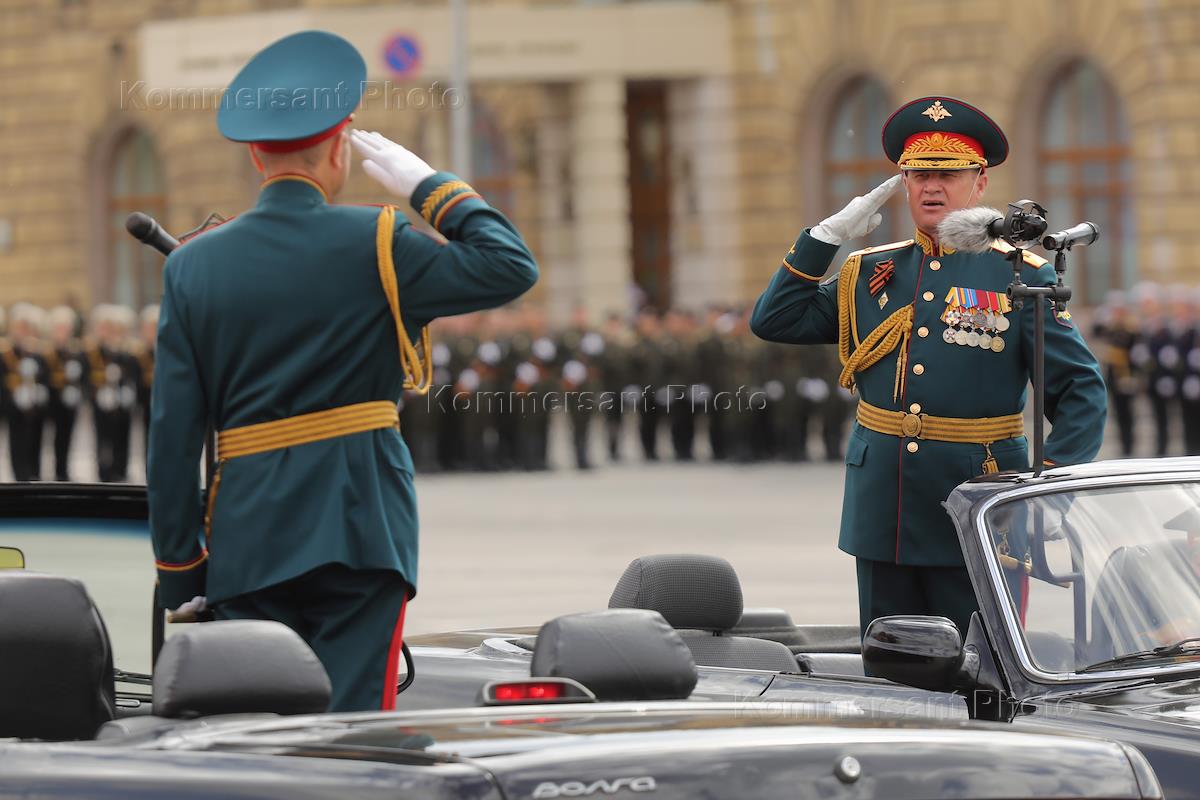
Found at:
[936, 112]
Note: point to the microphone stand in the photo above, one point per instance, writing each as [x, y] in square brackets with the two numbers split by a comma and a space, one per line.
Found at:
[1058, 294]
[158, 613]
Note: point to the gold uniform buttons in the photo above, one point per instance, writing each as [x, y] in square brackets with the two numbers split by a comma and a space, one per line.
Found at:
[922, 331]
[918, 369]
[913, 447]
[935, 265]
[928, 296]
[915, 408]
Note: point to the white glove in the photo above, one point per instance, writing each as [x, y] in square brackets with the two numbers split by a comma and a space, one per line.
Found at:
[858, 218]
[396, 168]
[189, 611]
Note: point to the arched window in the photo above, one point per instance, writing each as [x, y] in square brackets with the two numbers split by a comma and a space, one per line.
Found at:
[1083, 155]
[491, 160]
[853, 157]
[134, 184]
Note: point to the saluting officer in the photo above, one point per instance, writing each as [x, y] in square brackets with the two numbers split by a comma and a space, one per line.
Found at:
[292, 329]
[938, 357]
[68, 370]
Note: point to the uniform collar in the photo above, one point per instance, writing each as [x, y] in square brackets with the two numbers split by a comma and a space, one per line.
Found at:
[927, 244]
[291, 188]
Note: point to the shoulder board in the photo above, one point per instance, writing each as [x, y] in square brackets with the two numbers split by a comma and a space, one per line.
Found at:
[1032, 259]
[866, 251]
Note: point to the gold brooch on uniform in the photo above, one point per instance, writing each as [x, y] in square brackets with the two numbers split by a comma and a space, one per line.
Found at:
[937, 112]
[975, 318]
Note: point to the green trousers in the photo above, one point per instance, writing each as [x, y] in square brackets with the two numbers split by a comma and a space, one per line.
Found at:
[886, 589]
[352, 619]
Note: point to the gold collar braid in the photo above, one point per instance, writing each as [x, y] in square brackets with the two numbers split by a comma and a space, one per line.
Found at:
[417, 368]
[893, 332]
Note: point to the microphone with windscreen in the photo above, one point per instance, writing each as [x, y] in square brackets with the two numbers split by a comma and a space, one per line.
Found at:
[971, 230]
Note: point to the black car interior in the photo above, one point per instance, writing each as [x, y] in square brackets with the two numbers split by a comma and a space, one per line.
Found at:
[56, 649]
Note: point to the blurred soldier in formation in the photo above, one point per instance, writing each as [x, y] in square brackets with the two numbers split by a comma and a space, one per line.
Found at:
[4, 398]
[27, 381]
[545, 359]
[733, 390]
[681, 380]
[68, 371]
[113, 390]
[1157, 358]
[646, 368]
[1184, 320]
[712, 357]
[583, 354]
[143, 358]
[1116, 336]
[615, 376]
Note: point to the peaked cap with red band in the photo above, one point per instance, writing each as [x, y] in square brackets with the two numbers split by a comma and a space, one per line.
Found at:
[943, 133]
[294, 94]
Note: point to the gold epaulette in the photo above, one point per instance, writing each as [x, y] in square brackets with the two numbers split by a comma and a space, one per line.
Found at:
[1032, 259]
[879, 248]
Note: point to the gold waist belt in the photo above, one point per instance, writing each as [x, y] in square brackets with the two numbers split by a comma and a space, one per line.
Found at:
[305, 428]
[981, 430]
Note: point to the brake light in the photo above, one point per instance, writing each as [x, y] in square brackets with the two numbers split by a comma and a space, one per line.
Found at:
[534, 691]
[523, 692]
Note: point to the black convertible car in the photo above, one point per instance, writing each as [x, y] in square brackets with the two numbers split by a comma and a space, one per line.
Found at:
[1079, 678]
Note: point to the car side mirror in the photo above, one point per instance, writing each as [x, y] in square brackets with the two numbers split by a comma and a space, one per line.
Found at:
[11, 558]
[924, 652]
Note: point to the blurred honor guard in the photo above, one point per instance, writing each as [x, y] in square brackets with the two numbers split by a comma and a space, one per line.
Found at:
[293, 329]
[1117, 332]
[68, 368]
[113, 391]
[938, 356]
[27, 378]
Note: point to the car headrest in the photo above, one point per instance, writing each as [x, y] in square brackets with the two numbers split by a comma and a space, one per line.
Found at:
[690, 591]
[620, 654]
[235, 667]
[57, 667]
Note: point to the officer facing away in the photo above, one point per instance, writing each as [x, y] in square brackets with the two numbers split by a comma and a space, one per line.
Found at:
[292, 329]
[938, 356]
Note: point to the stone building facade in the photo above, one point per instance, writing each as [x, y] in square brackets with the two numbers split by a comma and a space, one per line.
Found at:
[664, 152]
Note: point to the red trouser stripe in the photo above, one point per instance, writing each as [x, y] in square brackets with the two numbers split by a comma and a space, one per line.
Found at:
[388, 702]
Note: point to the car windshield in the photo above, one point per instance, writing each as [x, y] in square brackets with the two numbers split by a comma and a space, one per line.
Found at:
[1105, 578]
[113, 559]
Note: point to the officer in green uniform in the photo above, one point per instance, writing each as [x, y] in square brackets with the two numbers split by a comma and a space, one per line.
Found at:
[292, 329]
[938, 356]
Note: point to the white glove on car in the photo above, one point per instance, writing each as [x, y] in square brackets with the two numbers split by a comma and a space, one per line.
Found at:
[858, 218]
[396, 168]
[189, 611]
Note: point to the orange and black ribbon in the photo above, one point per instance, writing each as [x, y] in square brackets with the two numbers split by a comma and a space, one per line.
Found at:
[883, 273]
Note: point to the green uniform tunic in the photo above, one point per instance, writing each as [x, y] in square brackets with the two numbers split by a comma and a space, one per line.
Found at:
[280, 312]
[895, 486]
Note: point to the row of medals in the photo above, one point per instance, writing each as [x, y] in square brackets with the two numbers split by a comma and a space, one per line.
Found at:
[961, 325]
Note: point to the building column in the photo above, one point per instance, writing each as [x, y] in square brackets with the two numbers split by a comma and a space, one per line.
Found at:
[703, 207]
[600, 197]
